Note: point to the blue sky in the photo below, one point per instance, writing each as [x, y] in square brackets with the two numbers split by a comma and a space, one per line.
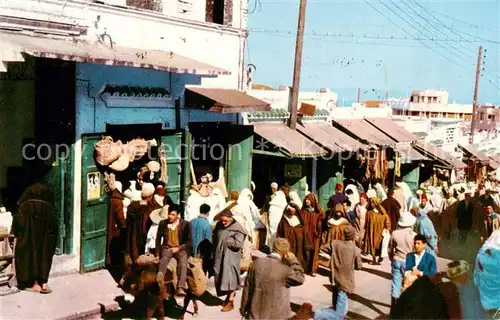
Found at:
[344, 63]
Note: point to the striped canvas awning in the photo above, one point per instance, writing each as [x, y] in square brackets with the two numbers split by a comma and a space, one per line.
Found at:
[13, 46]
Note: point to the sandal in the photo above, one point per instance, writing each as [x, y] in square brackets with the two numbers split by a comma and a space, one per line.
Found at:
[46, 290]
[32, 290]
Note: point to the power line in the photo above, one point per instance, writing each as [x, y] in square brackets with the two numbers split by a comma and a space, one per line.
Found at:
[463, 22]
[417, 28]
[404, 30]
[358, 36]
[440, 31]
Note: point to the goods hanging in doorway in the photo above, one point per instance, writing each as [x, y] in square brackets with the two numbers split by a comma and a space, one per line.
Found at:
[163, 164]
[117, 156]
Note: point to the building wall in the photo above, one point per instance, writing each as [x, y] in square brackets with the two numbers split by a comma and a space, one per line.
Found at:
[279, 99]
[430, 96]
[488, 118]
[217, 45]
[92, 114]
[357, 111]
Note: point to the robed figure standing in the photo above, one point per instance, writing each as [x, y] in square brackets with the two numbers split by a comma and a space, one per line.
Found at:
[35, 227]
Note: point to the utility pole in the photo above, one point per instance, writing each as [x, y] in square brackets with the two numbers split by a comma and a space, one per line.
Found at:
[299, 44]
[359, 95]
[474, 101]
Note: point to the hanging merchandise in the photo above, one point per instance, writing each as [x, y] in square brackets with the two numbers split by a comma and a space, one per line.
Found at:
[397, 165]
[163, 164]
[121, 164]
[110, 180]
[136, 149]
[376, 165]
[107, 151]
[453, 176]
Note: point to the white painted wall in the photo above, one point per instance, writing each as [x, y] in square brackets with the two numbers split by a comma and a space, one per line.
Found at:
[279, 98]
[357, 111]
[217, 45]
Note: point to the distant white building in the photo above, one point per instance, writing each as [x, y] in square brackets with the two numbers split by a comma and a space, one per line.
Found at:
[323, 99]
[430, 104]
[367, 109]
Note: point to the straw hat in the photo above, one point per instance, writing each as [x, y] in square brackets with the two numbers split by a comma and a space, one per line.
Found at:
[406, 220]
[159, 215]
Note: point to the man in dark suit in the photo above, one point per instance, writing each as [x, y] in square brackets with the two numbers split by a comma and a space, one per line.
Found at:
[174, 240]
[465, 211]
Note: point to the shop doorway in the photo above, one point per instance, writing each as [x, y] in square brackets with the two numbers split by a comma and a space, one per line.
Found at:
[216, 144]
[94, 200]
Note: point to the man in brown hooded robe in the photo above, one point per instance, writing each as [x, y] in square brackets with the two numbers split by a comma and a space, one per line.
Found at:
[138, 223]
[336, 224]
[393, 209]
[313, 216]
[376, 221]
[291, 227]
[35, 226]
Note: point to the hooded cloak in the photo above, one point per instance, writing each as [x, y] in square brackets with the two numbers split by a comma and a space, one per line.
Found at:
[36, 227]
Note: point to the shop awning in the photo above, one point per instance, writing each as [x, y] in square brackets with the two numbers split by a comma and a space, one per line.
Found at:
[392, 129]
[12, 46]
[364, 131]
[331, 138]
[223, 100]
[410, 153]
[439, 154]
[474, 152]
[290, 142]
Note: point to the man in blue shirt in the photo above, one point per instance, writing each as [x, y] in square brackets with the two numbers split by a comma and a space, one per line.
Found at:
[202, 237]
[420, 263]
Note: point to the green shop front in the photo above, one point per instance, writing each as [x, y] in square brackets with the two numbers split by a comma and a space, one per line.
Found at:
[342, 156]
[282, 155]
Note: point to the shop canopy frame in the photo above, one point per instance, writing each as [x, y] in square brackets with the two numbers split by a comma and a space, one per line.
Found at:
[392, 129]
[474, 154]
[438, 154]
[330, 137]
[222, 100]
[289, 143]
[364, 132]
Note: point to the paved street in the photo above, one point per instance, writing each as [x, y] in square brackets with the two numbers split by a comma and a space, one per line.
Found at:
[370, 300]
[78, 296]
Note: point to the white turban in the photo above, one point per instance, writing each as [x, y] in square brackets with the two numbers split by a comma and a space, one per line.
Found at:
[148, 189]
[274, 185]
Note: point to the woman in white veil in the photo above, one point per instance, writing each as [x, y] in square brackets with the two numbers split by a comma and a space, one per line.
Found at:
[295, 198]
[276, 209]
[351, 191]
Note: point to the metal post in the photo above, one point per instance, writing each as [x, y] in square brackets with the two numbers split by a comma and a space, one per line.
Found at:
[297, 66]
[474, 101]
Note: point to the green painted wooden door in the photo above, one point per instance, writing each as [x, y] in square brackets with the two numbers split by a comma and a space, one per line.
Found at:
[326, 180]
[94, 210]
[186, 169]
[173, 146]
[55, 179]
[300, 187]
[239, 157]
[412, 178]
